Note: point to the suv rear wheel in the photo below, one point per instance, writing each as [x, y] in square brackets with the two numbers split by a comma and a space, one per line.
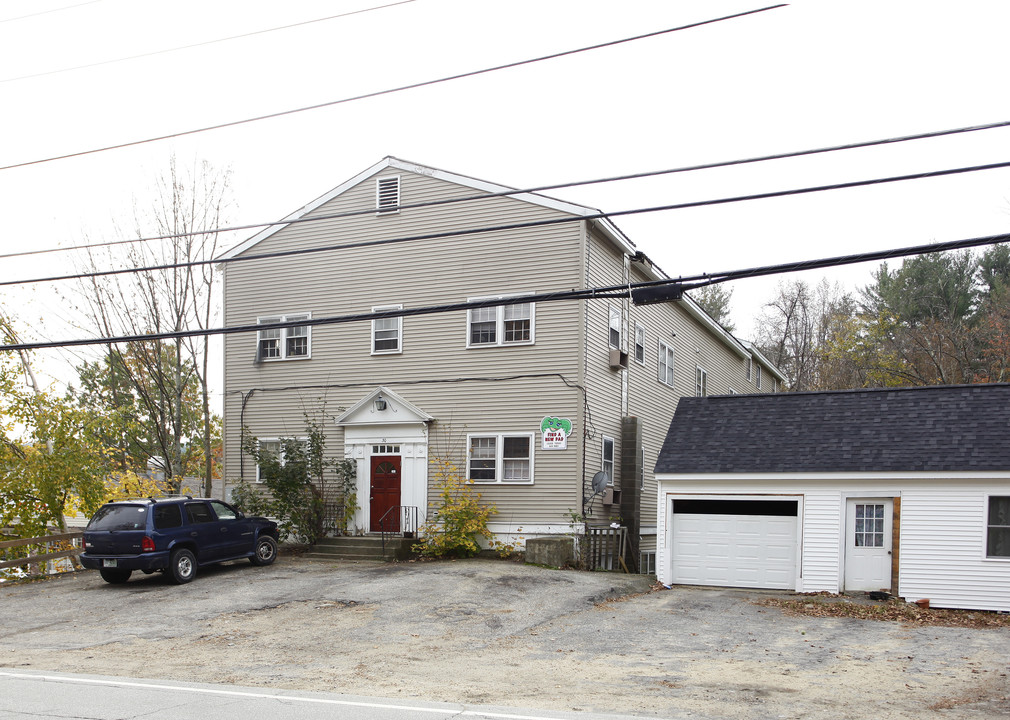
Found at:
[266, 551]
[182, 566]
[115, 576]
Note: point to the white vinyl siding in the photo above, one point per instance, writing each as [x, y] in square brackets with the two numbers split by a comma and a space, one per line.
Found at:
[387, 333]
[500, 325]
[387, 194]
[288, 343]
[504, 458]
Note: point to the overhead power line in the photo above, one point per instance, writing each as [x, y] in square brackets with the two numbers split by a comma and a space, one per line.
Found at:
[389, 91]
[199, 44]
[536, 189]
[641, 293]
[510, 226]
[47, 12]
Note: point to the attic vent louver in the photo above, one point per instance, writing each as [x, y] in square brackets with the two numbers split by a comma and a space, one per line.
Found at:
[387, 194]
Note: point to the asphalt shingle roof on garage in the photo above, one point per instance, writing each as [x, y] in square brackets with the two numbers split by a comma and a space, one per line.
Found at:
[927, 429]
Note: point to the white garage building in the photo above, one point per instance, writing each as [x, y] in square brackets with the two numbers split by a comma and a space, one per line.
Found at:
[906, 490]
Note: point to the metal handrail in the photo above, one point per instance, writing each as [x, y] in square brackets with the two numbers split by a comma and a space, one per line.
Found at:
[406, 515]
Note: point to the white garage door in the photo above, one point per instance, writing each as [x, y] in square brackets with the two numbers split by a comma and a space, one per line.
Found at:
[735, 543]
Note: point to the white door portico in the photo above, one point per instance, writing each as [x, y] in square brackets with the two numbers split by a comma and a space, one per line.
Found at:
[384, 424]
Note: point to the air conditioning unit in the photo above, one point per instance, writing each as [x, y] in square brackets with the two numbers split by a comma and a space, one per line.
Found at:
[611, 496]
[618, 359]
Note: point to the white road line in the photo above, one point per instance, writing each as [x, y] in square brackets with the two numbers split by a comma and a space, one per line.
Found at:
[268, 696]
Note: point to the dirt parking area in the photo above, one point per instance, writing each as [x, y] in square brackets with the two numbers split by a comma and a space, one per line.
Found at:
[501, 633]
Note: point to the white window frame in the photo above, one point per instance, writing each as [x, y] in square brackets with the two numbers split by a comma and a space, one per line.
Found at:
[387, 208]
[614, 314]
[640, 343]
[279, 441]
[603, 457]
[750, 365]
[500, 320]
[988, 526]
[666, 360]
[499, 457]
[399, 330]
[700, 381]
[284, 335]
[757, 376]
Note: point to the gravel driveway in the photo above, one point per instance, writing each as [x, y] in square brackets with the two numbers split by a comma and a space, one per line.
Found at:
[489, 632]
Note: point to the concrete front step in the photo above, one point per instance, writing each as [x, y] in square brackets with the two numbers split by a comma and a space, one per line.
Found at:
[360, 547]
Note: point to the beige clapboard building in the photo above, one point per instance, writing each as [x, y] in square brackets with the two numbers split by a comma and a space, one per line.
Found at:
[530, 400]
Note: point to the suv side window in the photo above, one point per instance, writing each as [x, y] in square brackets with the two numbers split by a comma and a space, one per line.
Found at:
[167, 516]
[224, 512]
[198, 512]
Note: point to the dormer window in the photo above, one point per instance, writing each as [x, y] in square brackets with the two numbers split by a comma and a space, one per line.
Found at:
[387, 194]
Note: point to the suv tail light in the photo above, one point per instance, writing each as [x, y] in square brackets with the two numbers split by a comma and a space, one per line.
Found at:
[147, 544]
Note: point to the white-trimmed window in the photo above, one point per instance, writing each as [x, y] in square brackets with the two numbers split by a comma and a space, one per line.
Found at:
[607, 461]
[274, 446]
[500, 324]
[665, 363]
[750, 365]
[614, 338]
[387, 194]
[700, 381]
[288, 343]
[639, 344]
[641, 470]
[502, 458]
[387, 333]
[757, 376]
[997, 542]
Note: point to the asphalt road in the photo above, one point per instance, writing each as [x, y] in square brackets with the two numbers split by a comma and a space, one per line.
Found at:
[29, 696]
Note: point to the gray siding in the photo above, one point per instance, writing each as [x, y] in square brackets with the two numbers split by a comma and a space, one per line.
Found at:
[434, 367]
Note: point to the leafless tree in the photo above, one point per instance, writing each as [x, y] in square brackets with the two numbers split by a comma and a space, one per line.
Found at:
[191, 204]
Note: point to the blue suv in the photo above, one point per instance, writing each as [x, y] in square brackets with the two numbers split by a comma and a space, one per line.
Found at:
[175, 536]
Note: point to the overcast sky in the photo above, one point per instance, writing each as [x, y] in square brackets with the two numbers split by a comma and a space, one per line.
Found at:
[808, 75]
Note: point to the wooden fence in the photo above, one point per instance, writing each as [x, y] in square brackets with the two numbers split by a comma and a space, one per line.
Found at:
[73, 540]
[606, 548]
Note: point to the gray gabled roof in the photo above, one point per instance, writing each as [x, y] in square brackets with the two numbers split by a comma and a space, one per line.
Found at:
[922, 429]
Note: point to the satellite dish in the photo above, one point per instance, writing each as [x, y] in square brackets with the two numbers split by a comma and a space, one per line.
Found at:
[600, 481]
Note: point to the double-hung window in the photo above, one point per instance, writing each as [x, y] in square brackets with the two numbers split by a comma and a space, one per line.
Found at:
[665, 363]
[997, 543]
[615, 327]
[700, 381]
[607, 464]
[502, 458]
[639, 344]
[387, 333]
[285, 343]
[274, 447]
[757, 376]
[500, 324]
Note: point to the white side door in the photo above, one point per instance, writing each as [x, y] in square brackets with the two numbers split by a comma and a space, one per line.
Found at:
[868, 543]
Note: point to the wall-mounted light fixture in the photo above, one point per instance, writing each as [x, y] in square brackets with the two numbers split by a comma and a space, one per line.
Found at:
[380, 403]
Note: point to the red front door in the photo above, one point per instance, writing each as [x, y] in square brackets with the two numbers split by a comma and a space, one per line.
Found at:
[385, 493]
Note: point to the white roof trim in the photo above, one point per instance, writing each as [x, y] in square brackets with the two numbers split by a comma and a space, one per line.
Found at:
[608, 228]
[698, 313]
[765, 362]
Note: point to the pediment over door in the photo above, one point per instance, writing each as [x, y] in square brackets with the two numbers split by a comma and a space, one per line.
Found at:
[382, 406]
